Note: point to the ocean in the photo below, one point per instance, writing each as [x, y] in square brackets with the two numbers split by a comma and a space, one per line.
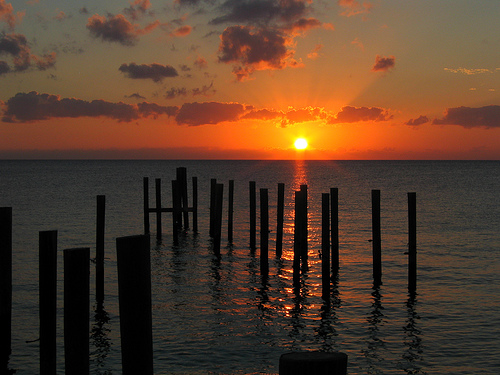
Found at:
[219, 316]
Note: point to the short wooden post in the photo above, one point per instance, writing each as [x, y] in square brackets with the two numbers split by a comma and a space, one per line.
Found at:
[264, 231]
[47, 246]
[412, 242]
[230, 212]
[280, 217]
[158, 208]
[5, 285]
[145, 188]
[218, 204]
[253, 214]
[195, 204]
[176, 211]
[76, 311]
[99, 248]
[134, 293]
[313, 363]
[376, 240]
[213, 183]
[296, 240]
[181, 176]
[304, 230]
[334, 204]
[325, 245]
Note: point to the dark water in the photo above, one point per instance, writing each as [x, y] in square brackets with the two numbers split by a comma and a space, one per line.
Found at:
[220, 316]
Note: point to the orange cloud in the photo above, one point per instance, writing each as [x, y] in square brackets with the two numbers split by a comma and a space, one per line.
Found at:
[383, 64]
[353, 7]
[350, 114]
[16, 45]
[7, 14]
[182, 31]
[487, 117]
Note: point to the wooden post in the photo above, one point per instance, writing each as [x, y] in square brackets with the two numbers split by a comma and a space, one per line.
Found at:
[325, 245]
[213, 183]
[280, 214]
[376, 240]
[334, 203]
[296, 241]
[253, 214]
[176, 211]
[218, 204]
[145, 188]
[158, 208]
[195, 204]
[230, 212]
[264, 231]
[134, 293]
[412, 242]
[99, 248]
[47, 244]
[76, 311]
[304, 231]
[313, 363]
[181, 176]
[5, 285]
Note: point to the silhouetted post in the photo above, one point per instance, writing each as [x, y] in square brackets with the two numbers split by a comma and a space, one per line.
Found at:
[134, 293]
[76, 311]
[313, 363]
[145, 188]
[47, 243]
[264, 231]
[296, 240]
[158, 208]
[304, 245]
[334, 203]
[218, 204]
[213, 183]
[176, 211]
[230, 212]
[253, 214]
[99, 248]
[412, 242]
[195, 204]
[5, 285]
[325, 245]
[181, 174]
[280, 214]
[377, 251]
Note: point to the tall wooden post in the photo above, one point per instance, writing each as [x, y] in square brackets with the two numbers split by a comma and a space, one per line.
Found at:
[181, 176]
[5, 285]
[325, 245]
[334, 202]
[412, 242]
[76, 311]
[134, 293]
[195, 204]
[145, 188]
[280, 214]
[158, 208]
[99, 253]
[213, 183]
[264, 231]
[253, 214]
[48, 300]
[304, 245]
[176, 211]
[376, 240]
[230, 212]
[218, 204]
[296, 240]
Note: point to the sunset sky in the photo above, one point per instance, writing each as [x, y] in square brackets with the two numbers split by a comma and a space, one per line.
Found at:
[243, 79]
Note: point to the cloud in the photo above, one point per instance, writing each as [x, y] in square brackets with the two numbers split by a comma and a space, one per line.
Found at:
[4, 67]
[418, 121]
[117, 29]
[314, 54]
[353, 7]
[262, 114]
[17, 47]
[7, 14]
[137, 9]
[175, 92]
[302, 25]
[487, 117]
[194, 114]
[200, 63]
[135, 95]
[33, 107]
[252, 49]
[182, 31]
[154, 71]
[468, 72]
[383, 64]
[350, 114]
[204, 90]
[60, 16]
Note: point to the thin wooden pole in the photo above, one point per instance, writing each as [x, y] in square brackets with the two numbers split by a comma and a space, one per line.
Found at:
[376, 240]
[218, 205]
[412, 242]
[195, 204]
[280, 214]
[296, 241]
[304, 230]
[134, 293]
[213, 183]
[145, 188]
[264, 231]
[182, 180]
[253, 214]
[334, 202]
[230, 212]
[5, 285]
[325, 245]
[158, 208]
[176, 211]
[99, 257]
[48, 300]
[76, 311]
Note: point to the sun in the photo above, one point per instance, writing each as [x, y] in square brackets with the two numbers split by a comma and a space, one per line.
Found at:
[300, 144]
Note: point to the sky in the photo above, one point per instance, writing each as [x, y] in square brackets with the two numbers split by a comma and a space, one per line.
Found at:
[243, 79]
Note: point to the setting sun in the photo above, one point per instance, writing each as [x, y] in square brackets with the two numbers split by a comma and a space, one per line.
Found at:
[300, 144]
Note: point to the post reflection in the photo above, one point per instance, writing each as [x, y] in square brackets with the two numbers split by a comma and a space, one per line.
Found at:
[375, 344]
[100, 340]
[413, 356]
[327, 332]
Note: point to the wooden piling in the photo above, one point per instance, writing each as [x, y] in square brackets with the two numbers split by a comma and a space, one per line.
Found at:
[325, 245]
[253, 214]
[134, 293]
[181, 176]
[304, 231]
[280, 217]
[213, 183]
[230, 212]
[5, 285]
[47, 244]
[218, 205]
[76, 311]
[176, 211]
[195, 204]
[158, 208]
[412, 242]
[264, 231]
[334, 211]
[313, 363]
[145, 188]
[99, 248]
[376, 239]
[296, 240]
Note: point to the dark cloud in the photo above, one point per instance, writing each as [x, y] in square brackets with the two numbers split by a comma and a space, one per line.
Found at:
[418, 121]
[4, 67]
[187, 2]
[383, 64]
[175, 92]
[17, 47]
[135, 95]
[154, 71]
[487, 117]
[350, 114]
[182, 31]
[137, 9]
[262, 114]
[204, 90]
[84, 10]
[13, 44]
[32, 107]
[194, 114]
